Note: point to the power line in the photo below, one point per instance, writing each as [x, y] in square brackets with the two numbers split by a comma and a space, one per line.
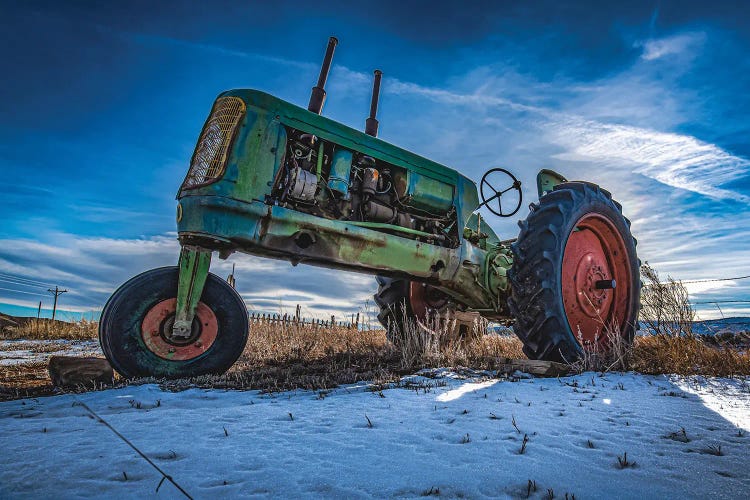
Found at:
[723, 302]
[20, 283]
[21, 278]
[21, 291]
[716, 279]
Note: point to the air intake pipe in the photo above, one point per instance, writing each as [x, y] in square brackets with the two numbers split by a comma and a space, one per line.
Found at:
[371, 124]
[318, 96]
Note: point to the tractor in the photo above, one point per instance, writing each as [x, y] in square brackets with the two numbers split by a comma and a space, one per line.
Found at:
[272, 179]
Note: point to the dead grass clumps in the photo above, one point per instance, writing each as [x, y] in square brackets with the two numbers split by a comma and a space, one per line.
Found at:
[688, 355]
[438, 343]
[283, 356]
[612, 353]
[665, 354]
[47, 329]
[665, 306]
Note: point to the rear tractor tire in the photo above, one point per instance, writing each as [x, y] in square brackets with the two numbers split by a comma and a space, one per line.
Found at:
[404, 304]
[135, 327]
[575, 275]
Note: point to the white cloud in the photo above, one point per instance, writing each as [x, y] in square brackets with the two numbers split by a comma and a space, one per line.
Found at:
[658, 48]
[679, 161]
[92, 268]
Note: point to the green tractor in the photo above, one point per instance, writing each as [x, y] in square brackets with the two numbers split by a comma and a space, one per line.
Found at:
[272, 179]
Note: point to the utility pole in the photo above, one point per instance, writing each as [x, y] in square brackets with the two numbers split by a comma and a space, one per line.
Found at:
[39, 311]
[57, 293]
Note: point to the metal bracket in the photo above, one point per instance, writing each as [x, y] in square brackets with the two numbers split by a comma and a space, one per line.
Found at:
[546, 180]
[193, 267]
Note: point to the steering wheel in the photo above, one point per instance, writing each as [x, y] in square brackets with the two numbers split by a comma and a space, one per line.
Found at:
[496, 194]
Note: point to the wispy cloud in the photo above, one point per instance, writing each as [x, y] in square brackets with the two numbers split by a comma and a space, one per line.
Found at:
[92, 268]
[679, 161]
[659, 48]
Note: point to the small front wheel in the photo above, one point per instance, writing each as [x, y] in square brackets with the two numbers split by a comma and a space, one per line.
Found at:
[135, 328]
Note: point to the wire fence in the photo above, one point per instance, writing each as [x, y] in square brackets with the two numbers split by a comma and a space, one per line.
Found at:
[298, 320]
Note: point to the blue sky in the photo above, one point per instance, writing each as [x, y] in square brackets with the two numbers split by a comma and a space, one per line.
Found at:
[102, 103]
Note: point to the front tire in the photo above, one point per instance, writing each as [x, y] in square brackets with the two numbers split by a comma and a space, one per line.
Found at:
[134, 327]
[571, 246]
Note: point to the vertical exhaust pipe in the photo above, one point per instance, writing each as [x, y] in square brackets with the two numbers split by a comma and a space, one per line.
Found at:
[371, 124]
[318, 96]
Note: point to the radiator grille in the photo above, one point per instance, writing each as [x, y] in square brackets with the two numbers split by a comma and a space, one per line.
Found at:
[210, 156]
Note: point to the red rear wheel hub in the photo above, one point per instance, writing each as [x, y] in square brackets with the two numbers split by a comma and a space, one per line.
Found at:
[424, 298]
[156, 330]
[595, 253]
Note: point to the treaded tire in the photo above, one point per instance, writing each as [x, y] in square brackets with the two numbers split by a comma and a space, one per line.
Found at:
[536, 300]
[392, 299]
[120, 327]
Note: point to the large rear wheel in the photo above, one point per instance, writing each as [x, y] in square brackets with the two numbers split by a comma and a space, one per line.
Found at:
[405, 304]
[135, 330]
[575, 275]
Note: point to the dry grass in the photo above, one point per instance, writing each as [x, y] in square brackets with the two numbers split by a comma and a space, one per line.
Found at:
[687, 355]
[665, 305]
[290, 356]
[26, 380]
[667, 354]
[47, 329]
[281, 357]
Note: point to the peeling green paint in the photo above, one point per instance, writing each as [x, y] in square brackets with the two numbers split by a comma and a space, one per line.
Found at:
[233, 213]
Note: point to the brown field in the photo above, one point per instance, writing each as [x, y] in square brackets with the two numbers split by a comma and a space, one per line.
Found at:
[282, 356]
[46, 329]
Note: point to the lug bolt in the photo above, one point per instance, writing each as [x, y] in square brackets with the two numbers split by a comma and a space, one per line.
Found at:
[199, 344]
[155, 333]
[171, 350]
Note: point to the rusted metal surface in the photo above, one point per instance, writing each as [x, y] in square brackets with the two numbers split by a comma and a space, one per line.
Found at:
[156, 331]
[193, 265]
[596, 268]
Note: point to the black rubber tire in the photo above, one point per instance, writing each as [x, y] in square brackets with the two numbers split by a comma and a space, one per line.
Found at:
[120, 327]
[536, 300]
[392, 298]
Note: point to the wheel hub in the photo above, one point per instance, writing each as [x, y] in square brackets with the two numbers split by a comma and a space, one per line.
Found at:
[156, 331]
[589, 271]
[424, 298]
[595, 279]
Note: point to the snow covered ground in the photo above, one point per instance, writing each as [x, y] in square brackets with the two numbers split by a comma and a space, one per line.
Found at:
[439, 433]
[22, 351]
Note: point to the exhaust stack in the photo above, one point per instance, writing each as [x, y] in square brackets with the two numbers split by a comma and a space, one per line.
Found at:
[371, 124]
[318, 96]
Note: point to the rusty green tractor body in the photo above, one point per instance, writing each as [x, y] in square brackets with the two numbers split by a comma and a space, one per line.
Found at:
[272, 179]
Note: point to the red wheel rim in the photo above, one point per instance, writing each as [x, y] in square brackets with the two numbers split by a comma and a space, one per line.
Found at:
[424, 298]
[595, 251]
[157, 323]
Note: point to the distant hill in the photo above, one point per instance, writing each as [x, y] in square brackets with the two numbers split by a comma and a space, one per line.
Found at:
[725, 325]
[6, 320]
[707, 327]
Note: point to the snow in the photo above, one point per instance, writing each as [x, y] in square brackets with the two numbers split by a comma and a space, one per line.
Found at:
[437, 430]
[22, 351]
